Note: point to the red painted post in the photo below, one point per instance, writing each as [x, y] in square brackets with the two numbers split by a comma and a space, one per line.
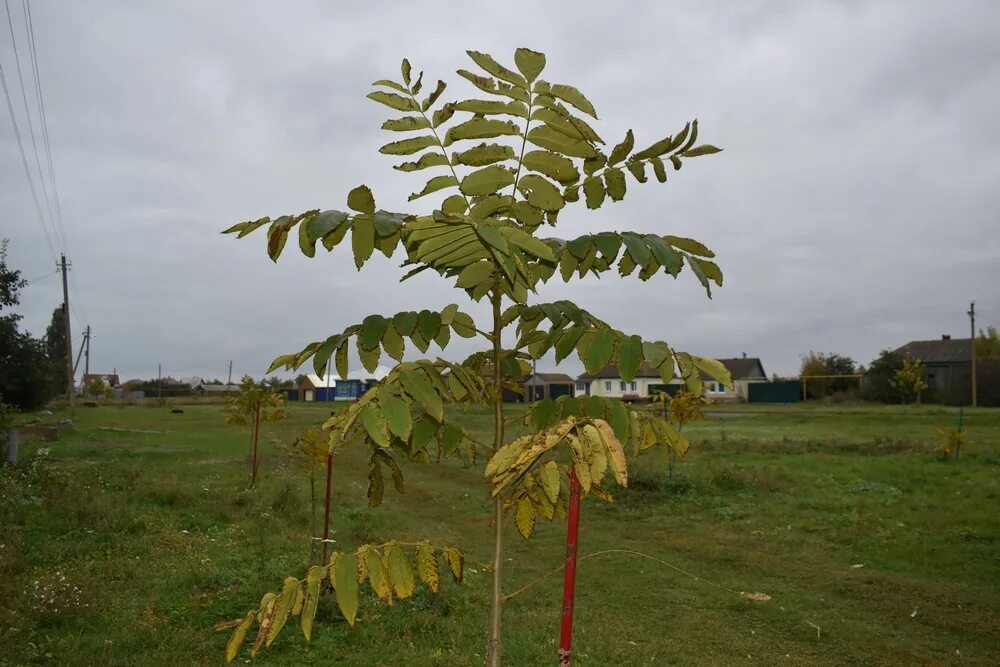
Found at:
[569, 581]
[326, 506]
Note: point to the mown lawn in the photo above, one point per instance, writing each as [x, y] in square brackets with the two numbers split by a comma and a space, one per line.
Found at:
[124, 547]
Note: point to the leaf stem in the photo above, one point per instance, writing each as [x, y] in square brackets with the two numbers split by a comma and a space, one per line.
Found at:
[440, 143]
[493, 650]
[524, 143]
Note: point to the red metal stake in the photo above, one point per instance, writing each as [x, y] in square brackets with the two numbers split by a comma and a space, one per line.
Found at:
[569, 581]
[326, 505]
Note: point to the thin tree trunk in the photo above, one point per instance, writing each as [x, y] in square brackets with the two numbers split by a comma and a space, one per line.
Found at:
[312, 507]
[256, 436]
[326, 508]
[493, 651]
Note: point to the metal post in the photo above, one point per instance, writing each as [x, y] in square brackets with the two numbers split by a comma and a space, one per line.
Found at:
[972, 321]
[159, 380]
[86, 357]
[569, 580]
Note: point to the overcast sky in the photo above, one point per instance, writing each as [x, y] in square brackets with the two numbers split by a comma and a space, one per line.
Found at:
[856, 205]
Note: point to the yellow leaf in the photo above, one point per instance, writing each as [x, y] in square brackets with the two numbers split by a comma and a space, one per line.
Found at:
[314, 580]
[524, 517]
[596, 458]
[378, 574]
[455, 561]
[344, 575]
[400, 574]
[616, 453]
[298, 601]
[427, 567]
[548, 473]
[265, 618]
[283, 608]
[239, 636]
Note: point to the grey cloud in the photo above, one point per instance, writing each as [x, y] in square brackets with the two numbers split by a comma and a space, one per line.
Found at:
[852, 210]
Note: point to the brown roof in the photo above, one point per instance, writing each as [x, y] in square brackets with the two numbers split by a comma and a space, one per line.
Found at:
[744, 367]
[551, 378]
[942, 351]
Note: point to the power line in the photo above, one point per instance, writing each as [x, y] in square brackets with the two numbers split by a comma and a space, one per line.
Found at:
[24, 161]
[40, 278]
[31, 126]
[44, 121]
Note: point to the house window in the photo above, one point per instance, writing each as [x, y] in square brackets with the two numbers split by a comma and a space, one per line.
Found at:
[711, 388]
[581, 386]
[622, 386]
[607, 385]
[632, 386]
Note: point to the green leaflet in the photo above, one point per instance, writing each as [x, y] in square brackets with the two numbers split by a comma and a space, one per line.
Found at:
[655, 353]
[394, 101]
[571, 95]
[485, 154]
[480, 128]
[372, 329]
[638, 170]
[598, 354]
[664, 254]
[393, 343]
[423, 430]
[491, 107]
[556, 167]
[546, 137]
[636, 247]
[486, 181]
[619, 420]
[540, 193]
[360, 199]
[433, 97]
[314, 579]
[428, 322]
[344, 576]
[690, 245]
[318, 227]
[593, 190]
[659, 169]
[397, 416]
[376, 426]
[433, 185]
[529, 63]
[487, 62]
[474, 274]
[405, 322]
[417, 386]
[526, 213]
[615, 181]
[463, 325]
[406, 124]
[621, 151]
[362, 240]
[408, 146]
[629, 356]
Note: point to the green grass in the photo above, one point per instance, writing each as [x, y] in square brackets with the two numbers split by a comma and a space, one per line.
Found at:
[157, 539]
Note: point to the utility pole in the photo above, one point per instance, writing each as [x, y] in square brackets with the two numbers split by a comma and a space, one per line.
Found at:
[70, 394]
[86, 355]
[229, 381]
[159, 380]
[972, 320]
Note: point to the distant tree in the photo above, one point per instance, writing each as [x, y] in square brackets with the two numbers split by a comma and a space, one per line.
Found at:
[24, 369]
[878, 378]
[988, 344]
[299, 379]
[909, 380]
[215, 382]
[55, 347]
[255, 403]
[829, 363]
